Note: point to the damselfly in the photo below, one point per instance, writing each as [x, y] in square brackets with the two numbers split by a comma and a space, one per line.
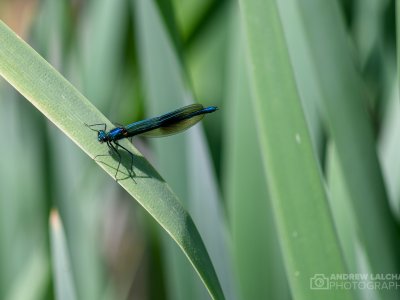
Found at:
[167, 124]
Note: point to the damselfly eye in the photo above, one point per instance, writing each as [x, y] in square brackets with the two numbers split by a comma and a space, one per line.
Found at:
[101, 137]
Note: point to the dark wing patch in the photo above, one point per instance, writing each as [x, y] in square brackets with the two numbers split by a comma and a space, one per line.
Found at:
[170, 128]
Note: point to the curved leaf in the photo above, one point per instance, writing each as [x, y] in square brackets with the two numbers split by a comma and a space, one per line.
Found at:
[61, 103]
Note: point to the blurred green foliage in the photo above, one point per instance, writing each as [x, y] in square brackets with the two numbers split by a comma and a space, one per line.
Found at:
[297, 173]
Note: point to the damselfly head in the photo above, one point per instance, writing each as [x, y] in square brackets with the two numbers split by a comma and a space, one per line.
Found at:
[102, 136]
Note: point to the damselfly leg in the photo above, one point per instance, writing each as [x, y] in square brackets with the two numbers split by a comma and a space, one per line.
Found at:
[113, 146]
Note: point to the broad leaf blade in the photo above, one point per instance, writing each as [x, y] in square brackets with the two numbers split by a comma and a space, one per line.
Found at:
[300, 204]
[59, 101]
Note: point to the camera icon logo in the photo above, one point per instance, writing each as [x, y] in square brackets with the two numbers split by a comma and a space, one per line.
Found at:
[319, 282]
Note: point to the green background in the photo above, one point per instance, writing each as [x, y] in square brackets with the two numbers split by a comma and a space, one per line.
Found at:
[291, 184]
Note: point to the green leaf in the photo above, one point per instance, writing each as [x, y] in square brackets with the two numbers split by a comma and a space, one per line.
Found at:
[62, 271]
[306, 231]
[389, 145]
[62, 104]
[259, 264]
[350, 126]
[303, 69]
[105, 22]
[24, 231]
[186, 154]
